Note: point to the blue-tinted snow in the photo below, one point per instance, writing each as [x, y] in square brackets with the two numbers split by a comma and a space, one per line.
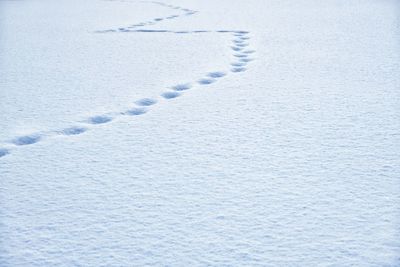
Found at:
[293, 162]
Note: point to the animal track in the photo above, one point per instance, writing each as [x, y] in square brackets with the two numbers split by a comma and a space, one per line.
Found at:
[249, 51]
[186, 12]
[74, 130]
[240, 69]
[238, 64]
[170, 95]
[146, 102]
[234, 48]
[245, 59]
[26, 140]
[216, 74]
[242, 45]
[182, 87]
[143, 105]
[149, 31]
[205, 81]
[238, 41]
[99, 119]
[3, 152]
[136, 111]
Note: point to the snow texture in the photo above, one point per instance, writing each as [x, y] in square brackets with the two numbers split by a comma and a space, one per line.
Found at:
[198, 133]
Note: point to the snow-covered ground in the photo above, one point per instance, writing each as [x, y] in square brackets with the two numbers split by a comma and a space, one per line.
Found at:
[194, 133]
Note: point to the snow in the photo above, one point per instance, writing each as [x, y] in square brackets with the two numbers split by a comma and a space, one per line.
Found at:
[192, 133]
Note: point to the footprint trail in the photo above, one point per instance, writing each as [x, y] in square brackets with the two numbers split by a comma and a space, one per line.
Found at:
[241, 57]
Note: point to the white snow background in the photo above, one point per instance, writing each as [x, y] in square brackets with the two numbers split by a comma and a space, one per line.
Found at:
[199, 133]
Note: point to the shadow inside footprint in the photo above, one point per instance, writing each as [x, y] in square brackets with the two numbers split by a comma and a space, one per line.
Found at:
[73, 130]
[245, 59]
[249, 51]
[99, 119]
[240, 55]
[182, 87]
[238, 64]
[151, 31]
[216, 74]
[238, 69]
[26, 140]
[146, 102]
[242, 45]
[234, 48]
[136, 111]
[238, 41]
[170, 95]
[4, 152]
[206, 81]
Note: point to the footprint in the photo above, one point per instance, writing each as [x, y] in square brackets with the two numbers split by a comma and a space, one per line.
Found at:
[182, 32]
[151, 31]
[238, 41]
[245, 59]
[104, 31]
[99, 119]
[206, 81]
[170, 95]
[244, 37]
[248, 51]
[242, 45]
[136, 111]
[216, 74]
[239, 69]
[241, 55]
[158, 19]
[234, 48]
[73, 130]
[146, 102]
[223, 31]
[241, 32]
[4, 152]
[26, 140]
[238, 64]
[200, 31]
[182, 87]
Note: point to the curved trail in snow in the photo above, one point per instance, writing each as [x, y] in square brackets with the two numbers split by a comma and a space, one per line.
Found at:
[240, 52]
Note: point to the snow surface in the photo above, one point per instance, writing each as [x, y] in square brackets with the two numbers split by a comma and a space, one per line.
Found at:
[193, 133]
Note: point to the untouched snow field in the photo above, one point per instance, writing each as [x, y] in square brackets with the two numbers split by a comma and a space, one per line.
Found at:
[200, 133]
